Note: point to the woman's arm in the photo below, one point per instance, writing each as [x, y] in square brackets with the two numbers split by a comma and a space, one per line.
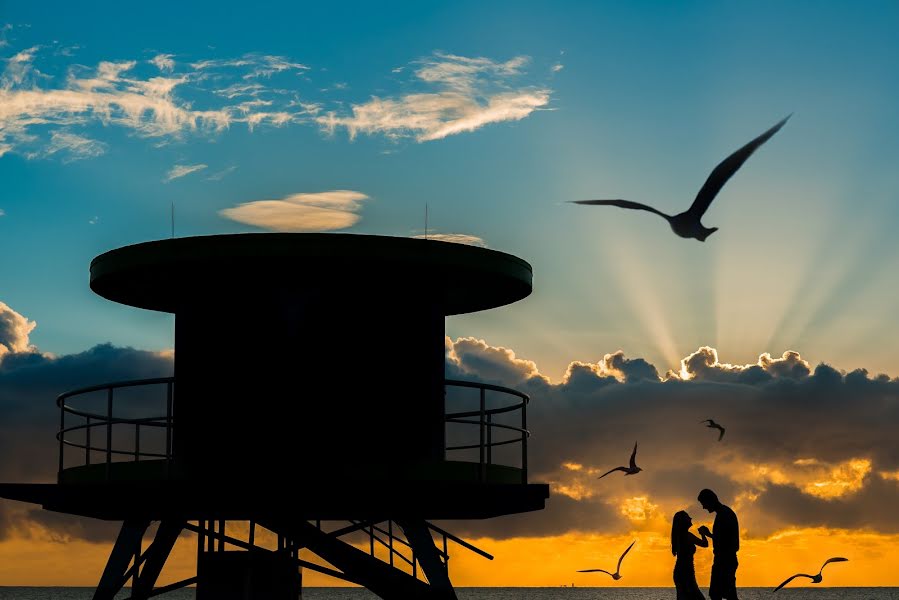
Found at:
[702, 543]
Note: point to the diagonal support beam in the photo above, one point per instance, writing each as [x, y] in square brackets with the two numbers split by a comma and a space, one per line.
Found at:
[419, 537]
[113, 577]
[155, 557]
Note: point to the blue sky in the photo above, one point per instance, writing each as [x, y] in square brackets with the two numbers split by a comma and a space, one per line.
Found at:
[493, 116]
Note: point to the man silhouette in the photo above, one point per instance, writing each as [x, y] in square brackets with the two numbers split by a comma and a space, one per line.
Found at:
[725, 536]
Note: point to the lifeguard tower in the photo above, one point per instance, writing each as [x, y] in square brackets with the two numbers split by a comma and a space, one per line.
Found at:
[309, 399]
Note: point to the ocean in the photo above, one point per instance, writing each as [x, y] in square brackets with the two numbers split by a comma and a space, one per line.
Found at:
[578, 593]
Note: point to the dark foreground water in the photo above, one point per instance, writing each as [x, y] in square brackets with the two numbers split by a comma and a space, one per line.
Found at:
[804, 593]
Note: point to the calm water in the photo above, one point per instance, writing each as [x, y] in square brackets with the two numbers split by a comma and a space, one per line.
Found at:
[808, 593]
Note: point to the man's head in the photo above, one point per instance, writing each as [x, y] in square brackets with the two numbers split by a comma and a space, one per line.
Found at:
[709, 500]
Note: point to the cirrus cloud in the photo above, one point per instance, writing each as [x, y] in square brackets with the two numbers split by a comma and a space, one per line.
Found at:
[179, 171]
[471, 93]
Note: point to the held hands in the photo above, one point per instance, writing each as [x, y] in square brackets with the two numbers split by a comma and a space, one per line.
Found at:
[704, 531]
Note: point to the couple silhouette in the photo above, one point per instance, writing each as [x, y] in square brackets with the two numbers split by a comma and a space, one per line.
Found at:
[725, 536]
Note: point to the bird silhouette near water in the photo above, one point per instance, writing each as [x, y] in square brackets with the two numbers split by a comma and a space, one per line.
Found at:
[714, 425]
[617, 574]
[815, 578]
[687, 224]
[633, 469]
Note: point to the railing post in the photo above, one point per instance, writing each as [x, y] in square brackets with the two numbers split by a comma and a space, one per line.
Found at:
[87, 444]
[168, 429]
[483, 468]
[524, 441]
[62, 435]
[489, 438]
[108, 432]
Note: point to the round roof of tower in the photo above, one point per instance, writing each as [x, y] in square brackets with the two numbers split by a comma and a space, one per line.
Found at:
[165, 275]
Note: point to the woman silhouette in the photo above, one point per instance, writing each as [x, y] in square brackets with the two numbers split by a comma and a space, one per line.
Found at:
[683, 546]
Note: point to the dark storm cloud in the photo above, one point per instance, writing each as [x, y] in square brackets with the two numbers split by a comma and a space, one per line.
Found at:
[873, 507]
[789, 426]
[29, 384]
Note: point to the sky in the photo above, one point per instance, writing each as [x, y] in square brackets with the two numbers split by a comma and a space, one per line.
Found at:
[489, 117]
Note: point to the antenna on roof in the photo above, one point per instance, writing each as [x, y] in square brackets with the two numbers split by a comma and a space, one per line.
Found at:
[426, 220]
[173, 219]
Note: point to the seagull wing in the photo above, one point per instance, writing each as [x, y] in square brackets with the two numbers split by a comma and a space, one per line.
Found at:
[709, 421]
[612, 471]
[634, 457]
[830, 560]
[720, 435]
[618, 568]
[792, 578]
[621, 204]
[595, 571]
[726, 168]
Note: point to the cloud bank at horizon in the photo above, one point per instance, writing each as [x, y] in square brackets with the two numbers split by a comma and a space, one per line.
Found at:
[806, 446]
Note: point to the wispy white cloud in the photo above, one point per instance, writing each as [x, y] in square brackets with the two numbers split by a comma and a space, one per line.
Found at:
[73, 146]
[557, 67]
[221, 174]
[3, 29]
[455, 238]
[181, 170]
[322, 211]
[34, 106]
[263, 66]
[42, 114]
[472, 92]
[2, 212]
[163, 62]
[94, 220]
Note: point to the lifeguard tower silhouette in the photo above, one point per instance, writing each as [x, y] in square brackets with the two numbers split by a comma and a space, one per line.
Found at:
[309, 389]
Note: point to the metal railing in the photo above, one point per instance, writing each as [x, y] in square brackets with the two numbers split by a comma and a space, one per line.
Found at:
[486, 425]
[106, 422]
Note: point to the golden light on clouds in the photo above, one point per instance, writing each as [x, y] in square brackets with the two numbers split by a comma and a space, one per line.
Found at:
[638, 508]
[812, 476]
[838, 480]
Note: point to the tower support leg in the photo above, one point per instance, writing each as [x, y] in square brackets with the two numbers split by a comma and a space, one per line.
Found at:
[155, 557]
[419, 537]
[113, 577]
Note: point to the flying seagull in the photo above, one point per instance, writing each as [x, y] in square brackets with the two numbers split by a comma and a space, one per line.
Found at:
[687, 224]
[714, 425]
[617, 574]
[633, 469]
[815, 578]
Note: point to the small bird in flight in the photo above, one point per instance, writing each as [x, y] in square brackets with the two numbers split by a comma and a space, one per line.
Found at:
[687, 224]
[714, 425]
[633, 469]
[617, 574]
[815, 578]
